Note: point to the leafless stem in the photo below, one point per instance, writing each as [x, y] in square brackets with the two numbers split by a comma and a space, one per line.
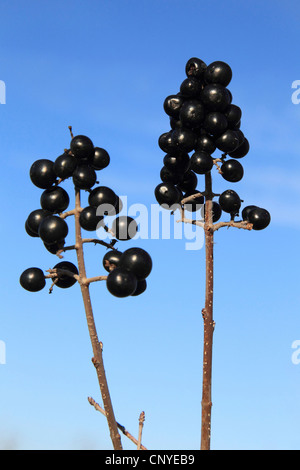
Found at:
[244, 224]
[89, 280]
[96, 345]
[52, 285]
[122, 428]
[200, 223]
[191, 198]
[207, 314]
[87, 240]
[100, 242]
[57, 273]
[141, 424]
[70, 128]
[64, 215]
[183, 219]
[216, 162]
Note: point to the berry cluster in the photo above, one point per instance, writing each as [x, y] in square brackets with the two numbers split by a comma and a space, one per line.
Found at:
[203, 119]
[128, 270]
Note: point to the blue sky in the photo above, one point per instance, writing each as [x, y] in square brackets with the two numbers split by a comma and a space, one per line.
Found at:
[105, 67]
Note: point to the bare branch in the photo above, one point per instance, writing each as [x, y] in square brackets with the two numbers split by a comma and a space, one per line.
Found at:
[191, 198]
[70, 128]
[57, 273]
[87, 240]
[199, 223]
[141, 424]
[122, 428]
[97, 349]
[93, 279]
[244, 224]
[64, 215]
[101, 242]
[184, 201]
[216, 162]
[52, 285]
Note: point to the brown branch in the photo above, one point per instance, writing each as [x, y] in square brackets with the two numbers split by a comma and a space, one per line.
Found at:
[96, 345]
[52, 285]
[141, 424]
[207, 314]
[57, 273]
[101, 242]
[94, 279]
[215, 162]
[64, 215]
[191, 198]
[242, 224]
[199, 223]
[122, 428]
[182, 211]
[87, 240]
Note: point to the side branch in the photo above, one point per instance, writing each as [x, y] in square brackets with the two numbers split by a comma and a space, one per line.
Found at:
[182, 212]
[56, 273]
[87, 240]
[100, 242]
[199, 223]
[216, 162]
[191, 198]
[244, 224]
[94, 279]
[122, 428]
[64, 215]
[141, 425]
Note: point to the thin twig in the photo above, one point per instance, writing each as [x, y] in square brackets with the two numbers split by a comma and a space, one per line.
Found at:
[87, 240]
[64, 215]
[101, 242]
[182, 211]
[52, 285]
[141, 424]
[94, 279]
[122, 428]
[57, 273]
[192, 197]
[199, 223]
[215, 162]
[244, 224]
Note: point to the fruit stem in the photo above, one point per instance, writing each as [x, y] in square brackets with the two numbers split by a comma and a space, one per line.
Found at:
[96, 345]
[207, 314]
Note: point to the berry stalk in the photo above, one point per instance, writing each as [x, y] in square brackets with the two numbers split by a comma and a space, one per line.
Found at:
[96, 345]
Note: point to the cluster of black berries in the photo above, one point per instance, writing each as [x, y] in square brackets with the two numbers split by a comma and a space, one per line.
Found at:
[81, 162]
[203, 120]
